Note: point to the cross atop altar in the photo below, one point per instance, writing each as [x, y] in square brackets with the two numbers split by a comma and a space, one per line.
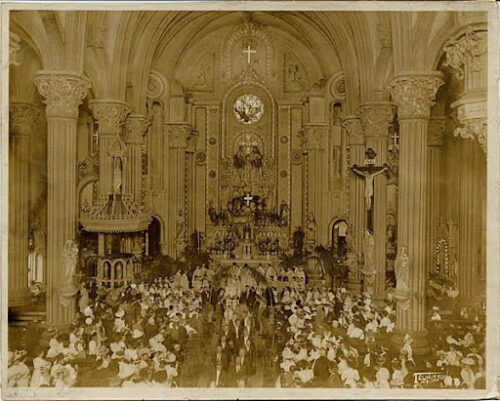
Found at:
[248, 198]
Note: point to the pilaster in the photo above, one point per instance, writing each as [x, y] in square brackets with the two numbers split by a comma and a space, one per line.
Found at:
[22, 116]
[314, 142]
[136, 127]
[376, 119]
[110, 117]
[357, 215]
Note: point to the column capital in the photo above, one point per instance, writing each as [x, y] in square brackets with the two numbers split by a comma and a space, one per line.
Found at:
[63, 92]
[180, 134]
[470, 116]
[414, 93]
[136, 126]
[313, 136]
[22, 117]
[376, 118]
[352, 124]
[109, 114]
[436, 131]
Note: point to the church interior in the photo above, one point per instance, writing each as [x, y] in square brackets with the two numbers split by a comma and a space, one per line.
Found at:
[247, 199]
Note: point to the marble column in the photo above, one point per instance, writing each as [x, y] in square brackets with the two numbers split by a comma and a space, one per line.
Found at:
[135, 129]
[110, 116]
[22, 116]
[357, 212]
[314, 142]
[414, 95]
[63, 93]
[435, 135]
[376, 119]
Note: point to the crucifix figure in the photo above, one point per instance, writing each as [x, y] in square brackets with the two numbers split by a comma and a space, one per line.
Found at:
[369, 171]
[248, 198]
[249, 51]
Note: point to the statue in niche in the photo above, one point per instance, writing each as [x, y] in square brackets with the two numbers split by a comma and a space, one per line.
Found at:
[66, 287]
[295, 75]
[402, 269]
[311, 224]
[368, 251]
[181, 226]
[117, 175]
[256, 162]
[284, 211]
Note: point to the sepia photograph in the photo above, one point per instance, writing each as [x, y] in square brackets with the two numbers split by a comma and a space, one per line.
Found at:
[250, 199]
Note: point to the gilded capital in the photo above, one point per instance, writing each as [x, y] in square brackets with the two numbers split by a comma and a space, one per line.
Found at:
[22, 117]
[135, 128]
[376, 118]
[414, 94]
[436, 130]
[62, 92]
[354, 129]
[110, 115]
[314, 136]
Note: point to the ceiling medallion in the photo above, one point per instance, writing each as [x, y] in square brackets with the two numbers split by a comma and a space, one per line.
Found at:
[248, 108]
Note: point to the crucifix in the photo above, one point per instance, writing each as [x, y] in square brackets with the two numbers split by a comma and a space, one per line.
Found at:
[248, 198]
[369, 171]
[249, 51]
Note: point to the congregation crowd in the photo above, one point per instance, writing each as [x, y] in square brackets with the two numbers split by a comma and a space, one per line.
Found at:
[247, 330]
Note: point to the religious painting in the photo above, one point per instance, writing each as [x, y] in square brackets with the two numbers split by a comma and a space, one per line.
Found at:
[239, 199]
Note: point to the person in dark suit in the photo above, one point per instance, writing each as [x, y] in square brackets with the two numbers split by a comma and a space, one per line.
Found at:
[221, 363]
[235, 330]
[241, 368]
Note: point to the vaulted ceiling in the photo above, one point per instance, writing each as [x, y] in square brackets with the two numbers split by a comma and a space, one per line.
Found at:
[118, 50]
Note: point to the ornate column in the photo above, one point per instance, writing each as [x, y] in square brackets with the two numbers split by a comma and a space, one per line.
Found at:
[376, 119]
[110, 116]
[135, 129]
[314, 142]
[178, 139]
[467, 57]
[435, 135]
[63, 93]
[414, 95]
[357, 214]
[22, 116]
